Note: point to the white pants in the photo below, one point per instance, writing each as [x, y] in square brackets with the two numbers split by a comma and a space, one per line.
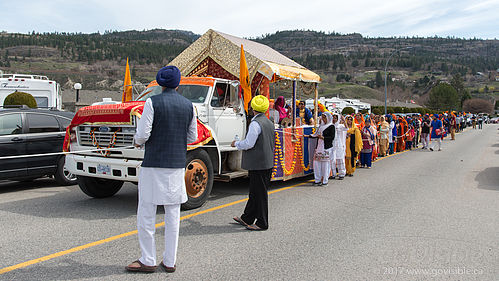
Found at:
[332, 163]
[321, 171]
[340, 165]
[436, 142]
[146, 220]
[425, 140]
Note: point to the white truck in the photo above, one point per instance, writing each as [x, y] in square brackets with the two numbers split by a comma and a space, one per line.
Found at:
[218, 105]
[46, 92]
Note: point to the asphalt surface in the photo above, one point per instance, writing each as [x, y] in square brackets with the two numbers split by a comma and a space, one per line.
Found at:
[418, 215]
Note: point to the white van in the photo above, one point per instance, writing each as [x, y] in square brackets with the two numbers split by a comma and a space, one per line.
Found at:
[46, 92]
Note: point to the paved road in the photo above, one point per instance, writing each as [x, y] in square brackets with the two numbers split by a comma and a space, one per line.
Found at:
[415, 216]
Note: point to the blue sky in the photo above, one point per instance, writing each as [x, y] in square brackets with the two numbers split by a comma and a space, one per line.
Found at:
[457, 18]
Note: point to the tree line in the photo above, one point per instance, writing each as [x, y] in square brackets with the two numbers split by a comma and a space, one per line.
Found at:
[96, 47]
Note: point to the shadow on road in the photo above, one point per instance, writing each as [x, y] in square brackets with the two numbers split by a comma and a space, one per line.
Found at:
[51, 201]
[488, 179]
[63, 267]
[70, 202]
[192, 228]
[13, 186]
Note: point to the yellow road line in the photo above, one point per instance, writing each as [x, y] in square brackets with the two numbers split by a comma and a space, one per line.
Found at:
[388, 156]
[130, 233]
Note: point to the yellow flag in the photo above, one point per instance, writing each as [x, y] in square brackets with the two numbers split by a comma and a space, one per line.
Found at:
[244, 79]
[127, 85]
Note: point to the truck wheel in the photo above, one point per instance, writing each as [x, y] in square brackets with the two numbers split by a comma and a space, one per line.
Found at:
[198, 178]
[62, 175]
[98, 188]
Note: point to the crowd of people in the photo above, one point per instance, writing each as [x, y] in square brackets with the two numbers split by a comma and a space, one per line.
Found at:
[351, 141]
[345, 142]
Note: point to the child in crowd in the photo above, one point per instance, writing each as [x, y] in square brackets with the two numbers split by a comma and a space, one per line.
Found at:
[410, 137]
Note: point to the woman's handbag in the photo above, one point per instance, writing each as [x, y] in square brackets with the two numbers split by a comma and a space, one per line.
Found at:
[438, 132]
[321, 155]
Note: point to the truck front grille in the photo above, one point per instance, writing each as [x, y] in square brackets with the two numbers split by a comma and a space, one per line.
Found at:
[104, 138]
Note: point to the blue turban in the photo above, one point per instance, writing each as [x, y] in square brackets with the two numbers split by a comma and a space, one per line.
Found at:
[168, 76]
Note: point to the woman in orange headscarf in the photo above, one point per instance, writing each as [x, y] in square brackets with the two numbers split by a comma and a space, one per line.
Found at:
[353, 145]
[359, 121]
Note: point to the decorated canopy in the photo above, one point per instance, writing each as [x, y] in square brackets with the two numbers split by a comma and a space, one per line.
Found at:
[217, 54]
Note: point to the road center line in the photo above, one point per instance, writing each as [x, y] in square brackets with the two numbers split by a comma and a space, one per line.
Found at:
[130, 233]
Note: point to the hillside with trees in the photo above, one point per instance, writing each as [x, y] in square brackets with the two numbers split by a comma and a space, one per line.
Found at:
[351, 65]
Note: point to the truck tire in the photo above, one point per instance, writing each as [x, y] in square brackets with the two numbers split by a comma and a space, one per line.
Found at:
[198, 178]
[62, 175]
[98, 188]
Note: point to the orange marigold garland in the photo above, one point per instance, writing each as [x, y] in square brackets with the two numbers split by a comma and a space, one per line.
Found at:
[112, 143]
[297, 153]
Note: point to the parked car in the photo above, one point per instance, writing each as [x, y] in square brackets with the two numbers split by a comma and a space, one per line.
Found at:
[25, 131]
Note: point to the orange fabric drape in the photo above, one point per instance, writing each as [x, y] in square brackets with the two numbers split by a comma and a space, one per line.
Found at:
[244, 79]
[127, 85]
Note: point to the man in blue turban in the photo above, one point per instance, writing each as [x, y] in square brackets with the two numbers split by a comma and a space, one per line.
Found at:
[168, 123]
[168, 77]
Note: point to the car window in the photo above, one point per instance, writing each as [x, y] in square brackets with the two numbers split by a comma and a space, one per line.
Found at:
[42, 102]
[42, 123]
[11, 124]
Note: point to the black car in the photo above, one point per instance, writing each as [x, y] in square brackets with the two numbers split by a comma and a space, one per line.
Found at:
[25, 131]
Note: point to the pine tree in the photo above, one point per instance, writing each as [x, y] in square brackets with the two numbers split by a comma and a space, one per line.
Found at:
[379, 80]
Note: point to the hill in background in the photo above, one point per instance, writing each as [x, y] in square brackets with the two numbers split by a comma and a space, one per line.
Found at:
[351, 65]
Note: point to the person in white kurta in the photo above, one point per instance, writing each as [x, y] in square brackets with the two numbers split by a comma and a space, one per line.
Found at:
[391, 144]
[339, 147]
[322, 155]
[159, 186]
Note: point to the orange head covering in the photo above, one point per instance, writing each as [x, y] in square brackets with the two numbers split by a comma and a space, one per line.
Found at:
[359, 123]
[322, 108]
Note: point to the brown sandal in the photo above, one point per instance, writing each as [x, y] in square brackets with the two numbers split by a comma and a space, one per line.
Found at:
[141, 268]
[240, 221]
[168, 269]
[254, 227]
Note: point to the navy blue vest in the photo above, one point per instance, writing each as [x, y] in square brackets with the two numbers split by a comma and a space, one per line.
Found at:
[167, 145]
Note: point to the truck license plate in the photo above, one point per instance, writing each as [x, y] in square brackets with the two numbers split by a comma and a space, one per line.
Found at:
[103, 169]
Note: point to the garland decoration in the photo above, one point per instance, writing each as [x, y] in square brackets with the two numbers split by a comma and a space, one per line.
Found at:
[279, 158]
[112, 143]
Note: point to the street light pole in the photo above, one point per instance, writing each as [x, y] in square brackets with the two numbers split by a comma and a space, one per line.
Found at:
[77, 87]
[386, 65]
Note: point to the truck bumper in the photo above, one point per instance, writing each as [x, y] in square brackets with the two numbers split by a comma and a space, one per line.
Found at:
[106, 168]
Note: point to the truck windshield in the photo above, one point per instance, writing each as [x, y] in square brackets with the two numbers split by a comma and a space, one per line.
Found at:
[194, 93]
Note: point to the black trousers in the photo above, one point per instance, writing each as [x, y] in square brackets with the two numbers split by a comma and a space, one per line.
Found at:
[257, 207]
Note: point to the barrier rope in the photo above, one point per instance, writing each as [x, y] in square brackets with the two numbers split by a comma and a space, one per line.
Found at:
[85, 151]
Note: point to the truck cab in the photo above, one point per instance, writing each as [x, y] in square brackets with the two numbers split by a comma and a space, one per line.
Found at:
[218, 104]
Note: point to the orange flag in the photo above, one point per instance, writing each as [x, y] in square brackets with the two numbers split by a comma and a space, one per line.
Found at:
[127, 85]
[244, 79]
